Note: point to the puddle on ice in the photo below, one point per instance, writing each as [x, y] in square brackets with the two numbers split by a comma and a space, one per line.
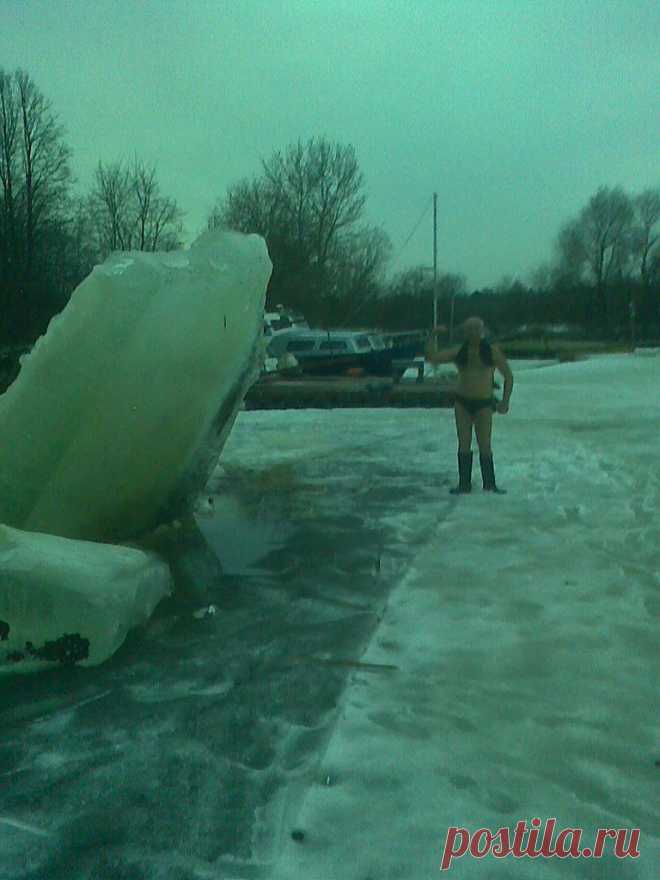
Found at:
[241, 536]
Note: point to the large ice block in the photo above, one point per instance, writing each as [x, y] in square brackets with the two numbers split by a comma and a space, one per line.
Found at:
[121, 410]
[65, 601]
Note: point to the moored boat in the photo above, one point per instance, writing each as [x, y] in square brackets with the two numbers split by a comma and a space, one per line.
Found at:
[333, 352]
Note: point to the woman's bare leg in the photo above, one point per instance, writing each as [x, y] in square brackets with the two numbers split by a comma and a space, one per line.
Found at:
[483, 426]
[463, 427]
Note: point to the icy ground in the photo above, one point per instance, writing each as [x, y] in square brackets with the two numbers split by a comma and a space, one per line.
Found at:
[521, 628]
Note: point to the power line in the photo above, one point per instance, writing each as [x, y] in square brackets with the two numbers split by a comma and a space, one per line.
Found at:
[415, 228]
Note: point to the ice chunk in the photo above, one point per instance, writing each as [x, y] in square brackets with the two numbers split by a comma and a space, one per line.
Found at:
[120, 412]
[71, 600]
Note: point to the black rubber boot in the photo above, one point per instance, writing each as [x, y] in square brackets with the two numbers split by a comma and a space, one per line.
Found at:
[488, 475]
[464, 474]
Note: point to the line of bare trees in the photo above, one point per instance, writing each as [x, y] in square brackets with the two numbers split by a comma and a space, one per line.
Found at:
[308, 203]
[613, 243]
[605, 274]
[51, 237]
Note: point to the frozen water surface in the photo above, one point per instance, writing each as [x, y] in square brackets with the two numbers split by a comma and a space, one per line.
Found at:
[513, 643]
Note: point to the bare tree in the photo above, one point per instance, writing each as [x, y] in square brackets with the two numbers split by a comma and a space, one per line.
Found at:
[598, 242]
[111, 207]
[305, 204]
[646, 247]
[572, 249]
[451, 285]
[145, 191]
[358, 262]
[157, 218]
[129, 211]
[654, 267]
[9, 147]
[336, 198]
[45, 162]
[165, 228]
[34, 180]
[249, 206]
[79, 247]
[541, 278]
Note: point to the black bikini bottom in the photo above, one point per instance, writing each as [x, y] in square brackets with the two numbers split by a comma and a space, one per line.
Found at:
[474, 404]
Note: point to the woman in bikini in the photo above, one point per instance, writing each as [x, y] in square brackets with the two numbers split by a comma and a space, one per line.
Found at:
[476, 361]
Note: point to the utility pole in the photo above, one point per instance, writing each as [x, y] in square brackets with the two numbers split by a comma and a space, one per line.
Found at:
[435, 260]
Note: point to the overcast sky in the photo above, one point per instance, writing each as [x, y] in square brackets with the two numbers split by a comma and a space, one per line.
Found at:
[514, 111]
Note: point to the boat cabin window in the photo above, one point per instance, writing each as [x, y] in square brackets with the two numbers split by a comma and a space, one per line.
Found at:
[333, 345]
[300, 345]
[362, 342]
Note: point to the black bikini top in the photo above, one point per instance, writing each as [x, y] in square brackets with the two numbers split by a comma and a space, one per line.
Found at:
[485, 353]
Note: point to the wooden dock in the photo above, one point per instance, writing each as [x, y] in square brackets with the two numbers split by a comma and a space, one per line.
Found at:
[330, 392]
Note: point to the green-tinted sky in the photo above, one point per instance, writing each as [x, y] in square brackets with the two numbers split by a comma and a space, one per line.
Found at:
[514, 111]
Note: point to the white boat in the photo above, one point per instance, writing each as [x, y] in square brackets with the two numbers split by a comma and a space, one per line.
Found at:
[283, 319]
